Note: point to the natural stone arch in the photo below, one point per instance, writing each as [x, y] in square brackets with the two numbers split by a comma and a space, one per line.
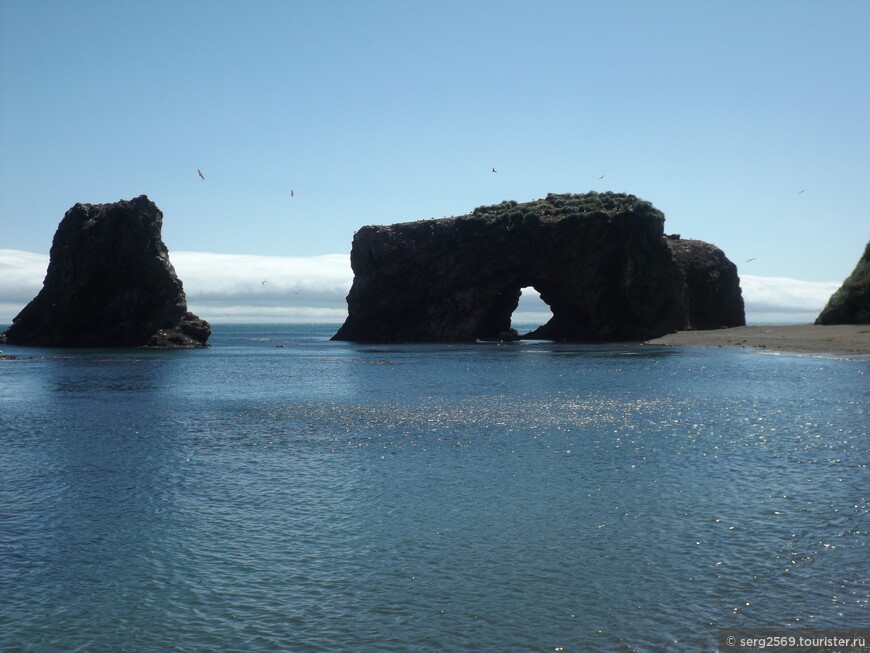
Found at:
[531, 312]
[601, 262]
[496, 321]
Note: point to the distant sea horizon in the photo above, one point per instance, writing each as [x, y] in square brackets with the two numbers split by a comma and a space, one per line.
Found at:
[523, 326]
[248, 289]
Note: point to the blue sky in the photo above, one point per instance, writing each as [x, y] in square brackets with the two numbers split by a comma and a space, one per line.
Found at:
[744, 122]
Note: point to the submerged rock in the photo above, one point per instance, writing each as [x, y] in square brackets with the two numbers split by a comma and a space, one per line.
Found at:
[850, 304]
[110, 284]
[600, 261]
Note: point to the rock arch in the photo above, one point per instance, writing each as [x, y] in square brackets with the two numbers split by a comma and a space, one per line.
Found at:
[600, 261]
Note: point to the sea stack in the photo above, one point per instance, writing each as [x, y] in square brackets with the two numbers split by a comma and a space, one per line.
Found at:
[850, 304]
[713, 296]
[599, 260]
[110, 284]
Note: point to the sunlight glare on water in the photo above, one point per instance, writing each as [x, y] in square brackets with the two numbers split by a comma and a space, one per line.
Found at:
[324, 496]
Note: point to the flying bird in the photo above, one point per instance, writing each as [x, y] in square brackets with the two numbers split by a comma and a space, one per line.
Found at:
[749, 259]
[494, 170]
[199, 172]
[601, 177]
[292, 193]
[802, 191]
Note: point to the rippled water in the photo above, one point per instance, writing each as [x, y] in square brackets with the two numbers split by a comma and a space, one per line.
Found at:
[280, 492]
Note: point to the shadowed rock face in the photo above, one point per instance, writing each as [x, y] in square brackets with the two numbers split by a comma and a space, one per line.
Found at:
[600, 261]
[713, 296]
[109, 284]
[850, 304]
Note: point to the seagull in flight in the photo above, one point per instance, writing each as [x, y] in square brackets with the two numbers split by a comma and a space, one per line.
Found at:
[199, 172]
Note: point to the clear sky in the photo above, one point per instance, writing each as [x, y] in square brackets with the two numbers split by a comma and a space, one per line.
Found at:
[745, 122]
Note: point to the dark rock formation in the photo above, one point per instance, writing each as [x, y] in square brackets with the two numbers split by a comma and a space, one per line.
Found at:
[109, 284]
[600, 261]
[850, 304]
[713, 295]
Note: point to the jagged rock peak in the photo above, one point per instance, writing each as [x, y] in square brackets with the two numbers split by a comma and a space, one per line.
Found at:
[110, 284]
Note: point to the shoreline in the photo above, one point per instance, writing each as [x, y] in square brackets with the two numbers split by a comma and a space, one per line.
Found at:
[838, 339]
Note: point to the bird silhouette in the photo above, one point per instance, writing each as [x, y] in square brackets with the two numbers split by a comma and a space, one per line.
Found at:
[292, 193]
[199, 172]
[802, 191]
[494, 170]
[749, 259]
[601, 177]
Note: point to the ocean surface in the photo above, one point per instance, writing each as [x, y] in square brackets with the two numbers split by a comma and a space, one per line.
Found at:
[281, 492]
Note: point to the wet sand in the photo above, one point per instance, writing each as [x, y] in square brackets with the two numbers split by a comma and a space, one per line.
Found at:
[848, 340]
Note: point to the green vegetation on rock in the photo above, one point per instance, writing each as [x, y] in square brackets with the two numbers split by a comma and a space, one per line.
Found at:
[556, 207]
[850, 304]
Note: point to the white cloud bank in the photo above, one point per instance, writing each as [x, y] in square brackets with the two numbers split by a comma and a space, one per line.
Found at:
[243, 288]
[21, 276]
[780, 300]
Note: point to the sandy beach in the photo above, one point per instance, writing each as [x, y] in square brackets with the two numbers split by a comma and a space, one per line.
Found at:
[848, 340]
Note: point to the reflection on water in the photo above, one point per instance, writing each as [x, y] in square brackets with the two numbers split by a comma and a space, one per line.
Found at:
[332, 496]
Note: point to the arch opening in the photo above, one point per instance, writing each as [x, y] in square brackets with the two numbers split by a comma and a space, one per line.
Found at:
[513, 315]
[531, 312]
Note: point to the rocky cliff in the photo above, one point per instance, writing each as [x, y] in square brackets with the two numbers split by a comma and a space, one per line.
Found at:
[850, 304]
[713, 296]
[109, 284]
[600, 261]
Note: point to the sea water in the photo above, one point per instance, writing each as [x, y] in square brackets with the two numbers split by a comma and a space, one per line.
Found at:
[282, 492]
